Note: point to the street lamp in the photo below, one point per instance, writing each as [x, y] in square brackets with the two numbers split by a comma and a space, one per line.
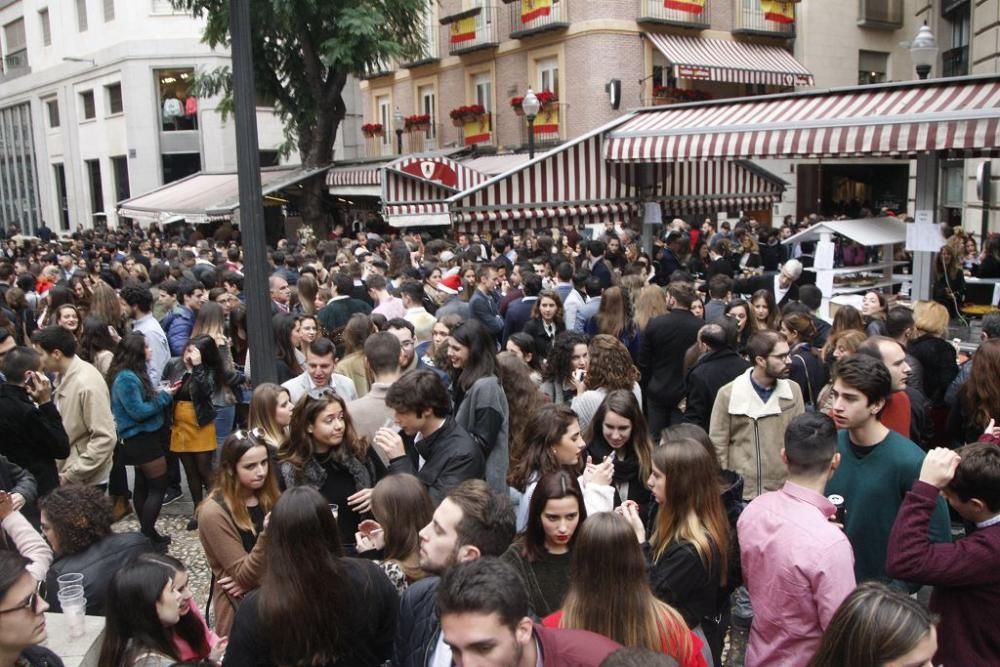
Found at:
[398, 121]
[531, 106]
[923, 51]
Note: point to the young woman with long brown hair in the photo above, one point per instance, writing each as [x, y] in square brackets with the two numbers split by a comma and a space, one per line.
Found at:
[615, 318]
[231, 522]
[611, 367]
[324, 451]
[688, 551]
[401, 507]
[979, 397]
[547, 321]
[621, 607]
[541, 554]
[314, 607]
[270, 413]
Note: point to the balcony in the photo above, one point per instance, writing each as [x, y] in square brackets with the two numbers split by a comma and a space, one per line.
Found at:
[15, 64]
[431, 51]
[379, 68]
[749, 19]
[472, 30]
[654, 11]
[550, 124]
[413, 142]
[955, 62]
[527, 20]
[880, 14]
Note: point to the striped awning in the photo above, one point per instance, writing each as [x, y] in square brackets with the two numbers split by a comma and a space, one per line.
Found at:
[960, 116]
[707, 187]
[730, 61]
[543, 217]
[359, 180]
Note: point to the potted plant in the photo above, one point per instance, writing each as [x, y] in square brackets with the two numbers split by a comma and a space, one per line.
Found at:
[463, 114]
[515, 104]
[546, 98]
[371, 130]
[417, 123]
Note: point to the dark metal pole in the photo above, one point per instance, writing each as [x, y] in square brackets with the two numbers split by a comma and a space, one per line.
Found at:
[531, 137]
[259, 333]
[399, 141]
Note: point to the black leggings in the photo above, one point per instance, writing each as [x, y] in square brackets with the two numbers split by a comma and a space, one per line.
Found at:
[150, 486]
[198, 468]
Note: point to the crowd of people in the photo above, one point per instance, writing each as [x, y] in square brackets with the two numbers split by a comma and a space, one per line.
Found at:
[517, 450]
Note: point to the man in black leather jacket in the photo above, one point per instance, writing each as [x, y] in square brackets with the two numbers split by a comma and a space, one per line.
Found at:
[471, 522]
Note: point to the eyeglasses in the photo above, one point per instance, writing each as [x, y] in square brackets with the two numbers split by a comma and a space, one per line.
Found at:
[255, 433]
[319, 393]
[30, 602]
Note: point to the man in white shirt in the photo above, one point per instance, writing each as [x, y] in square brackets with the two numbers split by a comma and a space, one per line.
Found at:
[140, 303]
[321, 357]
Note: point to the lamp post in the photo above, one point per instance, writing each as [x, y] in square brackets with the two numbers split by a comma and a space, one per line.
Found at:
[531, 107]
[923, 51]
[398, 121]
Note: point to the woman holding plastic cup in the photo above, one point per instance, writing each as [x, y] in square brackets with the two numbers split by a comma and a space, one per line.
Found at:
[22, 616]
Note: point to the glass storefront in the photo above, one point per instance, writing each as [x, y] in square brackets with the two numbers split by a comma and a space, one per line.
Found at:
[18, 178]
[178, 107]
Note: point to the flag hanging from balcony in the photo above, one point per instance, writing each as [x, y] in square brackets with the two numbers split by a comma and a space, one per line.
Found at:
[476, 130]
[547, 120]
[533, 9]
[463, 30]
[690, 6]
[778, 11]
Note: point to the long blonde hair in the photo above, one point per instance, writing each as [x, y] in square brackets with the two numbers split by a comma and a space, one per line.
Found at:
[651, 302]
[692, 507]
[621, 607]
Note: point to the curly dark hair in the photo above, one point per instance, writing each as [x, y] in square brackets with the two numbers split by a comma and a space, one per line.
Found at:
[79, 516]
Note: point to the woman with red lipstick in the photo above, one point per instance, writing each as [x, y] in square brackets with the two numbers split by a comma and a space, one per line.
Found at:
[541, 554]
[22, 616]
[618, 433]
[231, 522]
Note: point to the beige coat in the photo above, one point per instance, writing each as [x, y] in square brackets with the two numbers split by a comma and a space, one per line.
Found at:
[84, 403]
[749, 434]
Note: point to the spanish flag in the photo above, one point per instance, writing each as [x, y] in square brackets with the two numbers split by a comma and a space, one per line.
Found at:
[463, 30]
[477, 131]
[532, 9]
[778, 11]
[547, 121]
[690, 6]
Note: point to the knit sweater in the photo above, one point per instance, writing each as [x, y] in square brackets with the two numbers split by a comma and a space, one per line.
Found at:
[134, 413]
[873, 488]
[965, 577]
[546, 580]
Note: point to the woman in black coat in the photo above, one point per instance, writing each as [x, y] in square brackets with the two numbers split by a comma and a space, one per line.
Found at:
[547, 320]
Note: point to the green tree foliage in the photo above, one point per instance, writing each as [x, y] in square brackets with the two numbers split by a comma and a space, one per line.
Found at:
[304, 51]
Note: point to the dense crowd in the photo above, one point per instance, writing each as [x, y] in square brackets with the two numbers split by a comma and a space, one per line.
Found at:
[520, 449]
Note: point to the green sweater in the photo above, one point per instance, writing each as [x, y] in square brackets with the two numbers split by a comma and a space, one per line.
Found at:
[873, 488]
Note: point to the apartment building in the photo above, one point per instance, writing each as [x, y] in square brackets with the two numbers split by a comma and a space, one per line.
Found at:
[96, 106]
[598, 58]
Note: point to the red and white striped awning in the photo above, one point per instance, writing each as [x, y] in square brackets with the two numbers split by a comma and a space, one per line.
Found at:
[705, 187]
[359, 180]
[543, 217]
[730, 61]
[960, 116]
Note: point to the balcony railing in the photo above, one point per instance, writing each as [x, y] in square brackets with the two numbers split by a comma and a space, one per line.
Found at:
[16, 64]
[472, 30]
[380, 68]
[526, 20]
[880, 14]
[749, 19]
[413, 142]
[431, 51]
[955, 62]
[550, 125]
[654, 11]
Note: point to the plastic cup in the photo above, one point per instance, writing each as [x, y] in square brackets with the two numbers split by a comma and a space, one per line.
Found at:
[70, 579]
[70, 593]
[75, 614]
[335, 510]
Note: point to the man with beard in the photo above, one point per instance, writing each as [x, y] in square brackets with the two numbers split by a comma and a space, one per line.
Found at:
[470, 523]
[877, 465]
[404, 331]
[751, 414]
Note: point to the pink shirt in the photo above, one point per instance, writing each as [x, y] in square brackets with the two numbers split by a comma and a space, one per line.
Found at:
[392, 308]
[184, 650]
[798, 568]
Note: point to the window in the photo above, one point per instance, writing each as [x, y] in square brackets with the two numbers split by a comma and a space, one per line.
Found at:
[119, 167]
[96, 187]
[955, 61]
[482, 90]
[87, 104]
[427, 107]
[114, 97]
[16, 55]
[178, 165]
[178, 108]
[384, 111]
[52, 106]
[548, 74]
[43, 18]
[872, 66]
[881, 14]
[269, 158]
[952, 184]
[62, 199]
[81, 15]
[109, 10]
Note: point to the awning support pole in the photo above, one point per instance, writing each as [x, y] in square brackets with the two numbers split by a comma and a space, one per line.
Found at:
[926, 200]
[259, 333]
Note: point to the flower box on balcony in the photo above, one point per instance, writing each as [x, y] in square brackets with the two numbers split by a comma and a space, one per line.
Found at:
[417, 123]
[371, 130]
[463, 114]
[545, 97]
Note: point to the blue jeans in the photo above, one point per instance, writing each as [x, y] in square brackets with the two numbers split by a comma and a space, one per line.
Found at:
[225, 416]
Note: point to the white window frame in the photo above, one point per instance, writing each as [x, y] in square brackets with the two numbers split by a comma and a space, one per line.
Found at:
[482, 90]
[548, 73]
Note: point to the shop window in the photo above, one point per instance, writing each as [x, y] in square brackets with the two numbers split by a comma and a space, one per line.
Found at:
[178, 107]
[952, 184]
[872, 67]
[178, 165]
